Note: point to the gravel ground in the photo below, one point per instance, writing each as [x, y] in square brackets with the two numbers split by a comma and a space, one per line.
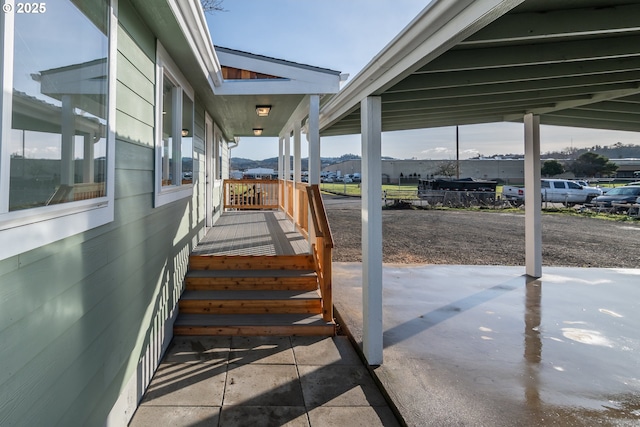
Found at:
[484, 237]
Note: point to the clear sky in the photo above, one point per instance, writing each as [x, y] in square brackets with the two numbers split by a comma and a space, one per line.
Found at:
[344, 35]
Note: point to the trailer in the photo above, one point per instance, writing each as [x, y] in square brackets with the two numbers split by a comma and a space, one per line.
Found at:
[459, 192]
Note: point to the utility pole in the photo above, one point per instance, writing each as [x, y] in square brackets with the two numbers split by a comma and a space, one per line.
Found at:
[457, 154]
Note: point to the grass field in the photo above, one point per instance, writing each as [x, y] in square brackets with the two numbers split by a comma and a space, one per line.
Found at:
[353, 189]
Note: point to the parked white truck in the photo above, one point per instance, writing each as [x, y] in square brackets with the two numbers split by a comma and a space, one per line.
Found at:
[556, 191]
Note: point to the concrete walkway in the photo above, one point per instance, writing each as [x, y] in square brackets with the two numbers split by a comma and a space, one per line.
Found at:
[262, 381]
[486, 346]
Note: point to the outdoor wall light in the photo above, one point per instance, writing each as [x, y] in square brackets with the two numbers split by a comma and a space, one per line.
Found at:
[263, 110]
[185, 132]
[257, 131]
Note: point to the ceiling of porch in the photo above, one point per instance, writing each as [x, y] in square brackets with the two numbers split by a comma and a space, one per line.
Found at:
[573, 62]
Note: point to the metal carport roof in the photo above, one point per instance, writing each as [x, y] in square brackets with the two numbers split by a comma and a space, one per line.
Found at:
[573, 62]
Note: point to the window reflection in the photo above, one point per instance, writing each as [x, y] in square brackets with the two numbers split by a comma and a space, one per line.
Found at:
[169, 91]
[177, 134]
[59, 109]
[187, 139]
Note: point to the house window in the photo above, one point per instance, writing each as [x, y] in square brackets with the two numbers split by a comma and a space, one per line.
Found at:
[56, 114]
[174, 159]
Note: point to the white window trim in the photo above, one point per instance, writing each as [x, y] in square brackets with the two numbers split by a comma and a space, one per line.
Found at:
[28, 229]
[165, 65]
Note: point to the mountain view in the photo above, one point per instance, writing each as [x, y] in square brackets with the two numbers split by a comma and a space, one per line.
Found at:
[615, 151]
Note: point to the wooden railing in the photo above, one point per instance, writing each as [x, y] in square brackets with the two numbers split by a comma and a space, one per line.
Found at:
[289, 189]
[281, 187]
[321, 248]
[250, 194]
[301, 212]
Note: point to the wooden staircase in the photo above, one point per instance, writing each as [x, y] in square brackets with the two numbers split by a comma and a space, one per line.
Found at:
[252, 295]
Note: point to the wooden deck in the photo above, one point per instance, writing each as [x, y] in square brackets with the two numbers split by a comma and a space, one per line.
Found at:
[252, 233]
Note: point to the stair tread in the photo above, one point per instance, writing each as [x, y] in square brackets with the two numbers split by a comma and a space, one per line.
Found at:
[251, 273]
[251, 319]
[267, 295]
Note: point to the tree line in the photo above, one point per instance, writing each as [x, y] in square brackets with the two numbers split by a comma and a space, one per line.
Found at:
[588, 165]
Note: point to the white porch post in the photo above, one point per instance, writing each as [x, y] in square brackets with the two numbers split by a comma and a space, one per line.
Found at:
[287, 170]
[297, 167]
[297, 153]
[280, 153]
[533, 213]
[371, 122]
[314, 139]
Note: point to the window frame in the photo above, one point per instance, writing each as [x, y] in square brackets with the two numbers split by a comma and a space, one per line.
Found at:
[28, 229]
[165, 66]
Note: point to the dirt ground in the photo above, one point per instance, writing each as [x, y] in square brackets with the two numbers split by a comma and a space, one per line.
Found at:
[484, 237]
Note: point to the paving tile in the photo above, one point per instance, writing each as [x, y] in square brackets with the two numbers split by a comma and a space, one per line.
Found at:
[263, 350]
[198, 349]
[193, 416]
[263, 385]
[336, 385]
[324, 351]
[264, 416]
[187, 384]
[352, 416]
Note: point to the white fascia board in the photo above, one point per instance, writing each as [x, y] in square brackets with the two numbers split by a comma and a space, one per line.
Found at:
[190, 17]
[327, 82]
[439, 27]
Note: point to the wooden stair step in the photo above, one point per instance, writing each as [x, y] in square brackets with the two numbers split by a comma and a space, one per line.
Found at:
[250, 302]
[251, 279]
[259, 324]
[251, 262]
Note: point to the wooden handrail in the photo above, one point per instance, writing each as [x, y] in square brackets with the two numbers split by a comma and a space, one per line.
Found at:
[319, 214]
[321, 249]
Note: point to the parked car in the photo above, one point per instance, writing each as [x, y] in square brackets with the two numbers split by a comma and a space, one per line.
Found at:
[632, 183]
[557, 191]
[619, 199]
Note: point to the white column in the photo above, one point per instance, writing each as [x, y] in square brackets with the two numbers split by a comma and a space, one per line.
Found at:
[280, 168]
[314, 139]
[297, 153]
[371, 122]
[297, 166]
[533, 196]
[287, 170]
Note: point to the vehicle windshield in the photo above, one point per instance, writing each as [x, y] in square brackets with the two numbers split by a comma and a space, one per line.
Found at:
[624, 191]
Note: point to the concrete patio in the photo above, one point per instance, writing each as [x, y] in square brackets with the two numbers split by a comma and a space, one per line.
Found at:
[486, 346]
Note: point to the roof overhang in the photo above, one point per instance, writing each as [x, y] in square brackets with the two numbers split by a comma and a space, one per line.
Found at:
[237, 99]
[574, 63]
[181, 28]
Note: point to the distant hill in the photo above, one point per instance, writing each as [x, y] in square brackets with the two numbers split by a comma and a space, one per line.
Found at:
[612, 152]
[239, 163]
[615, 151]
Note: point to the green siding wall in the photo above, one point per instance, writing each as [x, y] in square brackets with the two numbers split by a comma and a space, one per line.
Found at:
[83, 316]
